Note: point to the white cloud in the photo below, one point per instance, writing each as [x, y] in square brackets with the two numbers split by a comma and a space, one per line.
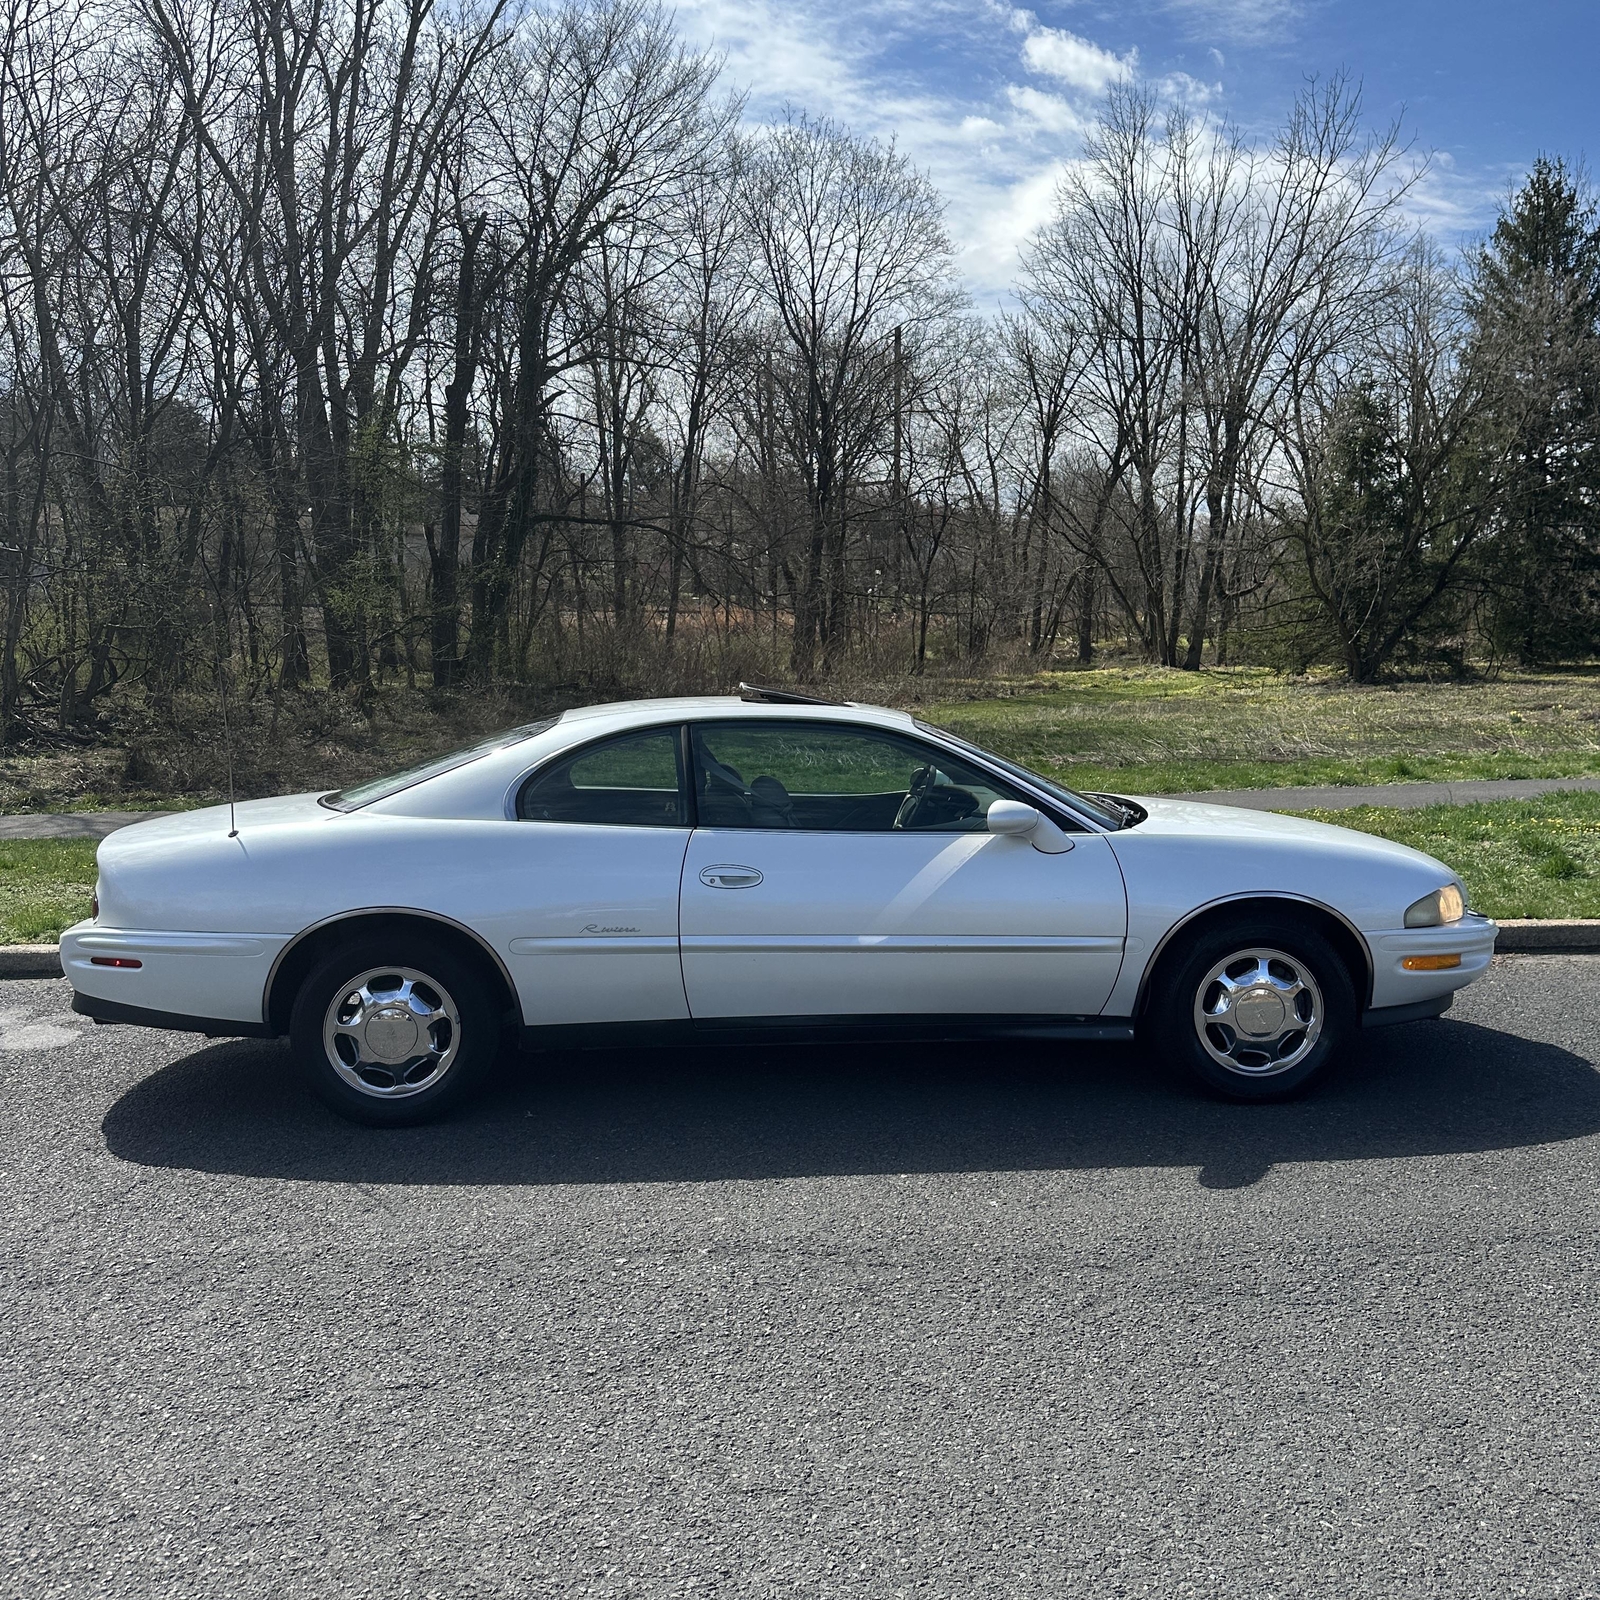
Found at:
[780, 53]
[1049, 113]
[1452, 205]
[994, 151]
[1076, 62]
[981, 95]
[995, 240]
[1193, 92]
[1246, 20]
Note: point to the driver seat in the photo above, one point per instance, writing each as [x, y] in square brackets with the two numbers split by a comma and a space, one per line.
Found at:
[771, 805]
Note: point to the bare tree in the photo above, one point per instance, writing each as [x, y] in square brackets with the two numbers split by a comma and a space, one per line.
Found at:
[851, 241]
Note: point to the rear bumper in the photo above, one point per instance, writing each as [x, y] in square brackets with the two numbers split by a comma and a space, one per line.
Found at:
[88, 1005]
[216, 978]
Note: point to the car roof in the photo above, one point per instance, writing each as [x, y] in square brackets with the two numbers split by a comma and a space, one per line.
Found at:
[690, 708]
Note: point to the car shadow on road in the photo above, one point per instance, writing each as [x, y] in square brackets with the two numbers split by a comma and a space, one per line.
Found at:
[793, 1111]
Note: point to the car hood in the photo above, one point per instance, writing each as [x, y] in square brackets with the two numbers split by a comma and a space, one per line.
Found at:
[1236, 823]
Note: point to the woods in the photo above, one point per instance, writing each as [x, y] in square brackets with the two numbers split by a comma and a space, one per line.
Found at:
[361, 343]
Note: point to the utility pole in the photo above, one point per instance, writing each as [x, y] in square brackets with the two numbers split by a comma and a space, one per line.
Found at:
[897, 423]
[898, 522]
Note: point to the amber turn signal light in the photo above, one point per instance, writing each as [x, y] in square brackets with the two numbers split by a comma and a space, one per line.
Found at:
[1430, 963]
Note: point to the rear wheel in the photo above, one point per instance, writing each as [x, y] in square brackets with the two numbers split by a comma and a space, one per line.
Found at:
[394, 1031]
[1254, 1009]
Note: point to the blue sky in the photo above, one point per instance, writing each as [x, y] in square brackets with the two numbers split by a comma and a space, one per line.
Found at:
[990, 98]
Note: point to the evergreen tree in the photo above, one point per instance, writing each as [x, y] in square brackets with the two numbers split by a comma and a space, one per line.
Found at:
[1536, 346]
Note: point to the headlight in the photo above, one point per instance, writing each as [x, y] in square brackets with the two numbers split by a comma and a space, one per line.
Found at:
[1434, 910]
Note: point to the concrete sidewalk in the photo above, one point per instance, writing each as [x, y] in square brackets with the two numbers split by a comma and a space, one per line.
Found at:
[1406, 796]
[70, 824]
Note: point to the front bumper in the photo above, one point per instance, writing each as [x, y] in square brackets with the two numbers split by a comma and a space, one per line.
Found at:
[1472, 939]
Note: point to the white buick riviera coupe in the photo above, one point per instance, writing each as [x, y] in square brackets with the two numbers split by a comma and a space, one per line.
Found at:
[672, 870]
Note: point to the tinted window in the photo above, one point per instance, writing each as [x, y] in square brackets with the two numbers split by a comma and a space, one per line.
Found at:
[828, 778]
[631, 782]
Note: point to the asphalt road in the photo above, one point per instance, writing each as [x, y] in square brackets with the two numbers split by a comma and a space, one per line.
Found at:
[933, 1322]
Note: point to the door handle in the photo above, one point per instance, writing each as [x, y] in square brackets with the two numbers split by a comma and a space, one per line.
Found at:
[728, 876]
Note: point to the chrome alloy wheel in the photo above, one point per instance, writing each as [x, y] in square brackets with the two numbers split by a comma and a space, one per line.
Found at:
[391, 1032]
[1259, 1012]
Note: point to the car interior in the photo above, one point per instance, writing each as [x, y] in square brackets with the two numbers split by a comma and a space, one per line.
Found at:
[809, 777]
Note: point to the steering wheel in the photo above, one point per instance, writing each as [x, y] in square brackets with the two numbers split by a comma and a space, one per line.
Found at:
[921, 783]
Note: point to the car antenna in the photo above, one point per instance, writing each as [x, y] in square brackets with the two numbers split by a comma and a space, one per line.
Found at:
[227, 744]
[222, 698]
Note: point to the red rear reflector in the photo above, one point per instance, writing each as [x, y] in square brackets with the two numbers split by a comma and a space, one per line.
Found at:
[114, 961]
[1430, 963]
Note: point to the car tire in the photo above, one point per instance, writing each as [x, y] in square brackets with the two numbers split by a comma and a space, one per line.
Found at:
[1255, 1009]
[393, 1031]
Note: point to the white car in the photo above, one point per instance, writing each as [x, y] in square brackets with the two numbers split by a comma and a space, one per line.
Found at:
[670, 870]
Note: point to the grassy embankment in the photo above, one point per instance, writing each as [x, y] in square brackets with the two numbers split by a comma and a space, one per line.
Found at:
[1518, 858]
[1146, 731]
[1140, 730]
[45, 886]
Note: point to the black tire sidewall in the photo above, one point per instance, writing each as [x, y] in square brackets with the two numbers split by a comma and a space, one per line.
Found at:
[1170, 1011]
[480, 1027]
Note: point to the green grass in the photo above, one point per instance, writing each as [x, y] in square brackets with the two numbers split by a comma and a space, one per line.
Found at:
[1518, 858]
[1145, 730]
[45, 886]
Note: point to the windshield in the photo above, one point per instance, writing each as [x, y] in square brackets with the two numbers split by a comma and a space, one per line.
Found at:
[363, 794]
[1106, 815]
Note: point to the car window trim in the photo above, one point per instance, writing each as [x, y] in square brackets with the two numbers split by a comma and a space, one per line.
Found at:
[1053, 808]
[573, 751]
[1003, 780]
[691, 790]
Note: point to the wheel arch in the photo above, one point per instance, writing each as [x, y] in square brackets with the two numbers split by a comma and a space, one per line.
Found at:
[313, 944]
[1340, 932]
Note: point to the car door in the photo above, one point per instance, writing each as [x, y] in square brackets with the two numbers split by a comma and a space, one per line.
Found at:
[596, 935]
[843, 870]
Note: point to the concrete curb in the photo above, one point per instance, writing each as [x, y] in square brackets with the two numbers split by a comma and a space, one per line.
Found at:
[1518, 936]
[30, 961]
[1525, 936]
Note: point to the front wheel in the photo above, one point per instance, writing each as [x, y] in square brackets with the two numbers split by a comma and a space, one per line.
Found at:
[392, 1032]
[1255, 1010]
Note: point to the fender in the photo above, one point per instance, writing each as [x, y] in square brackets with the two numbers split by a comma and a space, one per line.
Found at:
[1235, 899]
[382, 911]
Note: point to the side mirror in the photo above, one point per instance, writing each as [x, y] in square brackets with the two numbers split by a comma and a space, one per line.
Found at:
[1021, 821]
[1012, 817]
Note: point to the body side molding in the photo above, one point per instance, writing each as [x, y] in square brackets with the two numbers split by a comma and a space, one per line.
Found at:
[676, 1033]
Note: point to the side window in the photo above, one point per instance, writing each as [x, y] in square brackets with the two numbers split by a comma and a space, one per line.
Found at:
[632, 781]
[826, 778]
